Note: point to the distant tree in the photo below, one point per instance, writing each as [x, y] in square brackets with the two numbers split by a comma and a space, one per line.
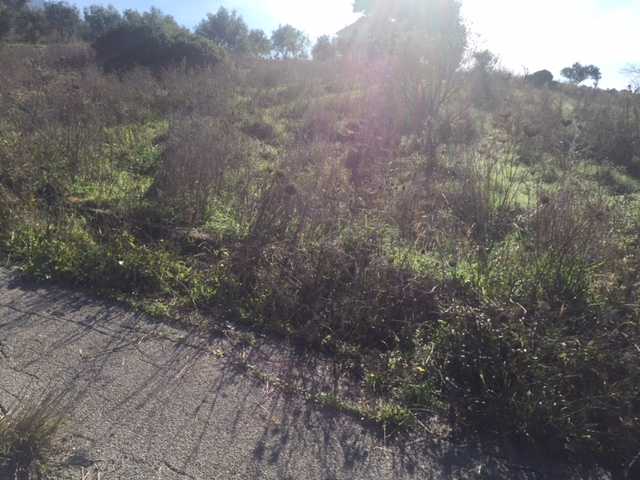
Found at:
[289, 42]
[482, 84]
[6, 20]
[324, 49]
[14, 5]
[99, 20]
[578, 73]
[259, 44]
[484, 61]
[62, 19]
[30, 25]
[431, 32]
[633, 74]
[541, 78]
[155, 19]
[227, 29]
[131, 17]
[9, 9]
[594, 74]
[153, 40]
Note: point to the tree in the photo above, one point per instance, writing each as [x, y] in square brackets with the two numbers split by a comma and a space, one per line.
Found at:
[482, 84]
[227, 29]
[153, 40]
[154, 19]
[575, 74]
[578, 73]
[424, 42]
[6, 21]
[99, 20]
[8, 11]
[541, 78]
[633, 73]
[289, 42]
[484, 61]
[61, 19]
[259, 44]
[13, 5]
[30, 25]
[324, 49]
[594, 74]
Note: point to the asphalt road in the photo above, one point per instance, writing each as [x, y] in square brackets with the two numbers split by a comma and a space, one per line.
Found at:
[148, 401]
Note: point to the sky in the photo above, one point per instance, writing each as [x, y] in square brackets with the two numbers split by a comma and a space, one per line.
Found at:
[527, 35]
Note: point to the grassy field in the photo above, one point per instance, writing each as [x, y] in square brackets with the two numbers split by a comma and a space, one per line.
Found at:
[490, 272]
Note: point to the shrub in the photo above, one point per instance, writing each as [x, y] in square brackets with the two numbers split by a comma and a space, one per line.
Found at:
[340, 294]
[609, 132]
[488, 191]
[198, 154]
[567, 384]
[553, 254]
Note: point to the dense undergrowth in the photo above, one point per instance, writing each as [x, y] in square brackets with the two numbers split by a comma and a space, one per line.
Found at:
[493, 269]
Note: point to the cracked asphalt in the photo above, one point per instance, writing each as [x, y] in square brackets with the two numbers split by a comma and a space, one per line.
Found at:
[143, 400]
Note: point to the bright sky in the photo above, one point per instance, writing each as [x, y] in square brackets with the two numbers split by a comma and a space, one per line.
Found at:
[525, 34]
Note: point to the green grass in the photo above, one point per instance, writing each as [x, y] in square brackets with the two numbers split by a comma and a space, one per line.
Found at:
[612, 178]
[118, 190]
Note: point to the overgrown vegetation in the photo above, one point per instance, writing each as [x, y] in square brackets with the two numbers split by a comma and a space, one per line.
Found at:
[457, 235]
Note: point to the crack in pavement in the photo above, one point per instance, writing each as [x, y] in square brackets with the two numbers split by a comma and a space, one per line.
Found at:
[178, 471]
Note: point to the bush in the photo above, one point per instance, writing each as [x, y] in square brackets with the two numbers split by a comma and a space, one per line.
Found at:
[609, 133]
[566, 384]
[199, 153]
[339, 294]
[552, 255]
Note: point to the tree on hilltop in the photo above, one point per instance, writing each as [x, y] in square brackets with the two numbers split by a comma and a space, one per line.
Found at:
[62, 19]
[227, 29]
[98, 20]
[289, 42]
[324, 49]
[578, 73]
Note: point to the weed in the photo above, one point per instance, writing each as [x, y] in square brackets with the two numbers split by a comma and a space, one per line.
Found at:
[26, 439]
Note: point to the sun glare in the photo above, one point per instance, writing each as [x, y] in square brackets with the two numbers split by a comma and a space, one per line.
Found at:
[315, 18]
